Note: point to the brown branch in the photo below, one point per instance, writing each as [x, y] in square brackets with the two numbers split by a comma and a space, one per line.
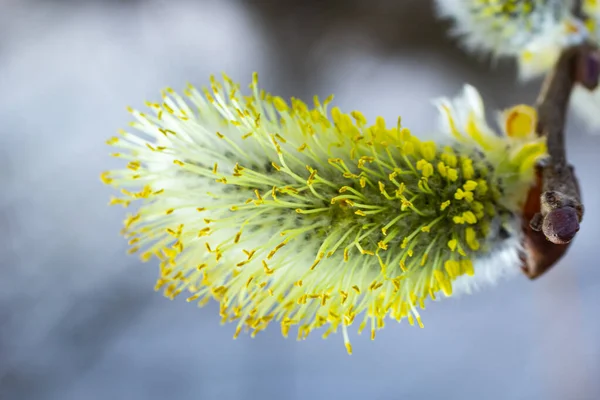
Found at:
[561, 209]
[554, 209]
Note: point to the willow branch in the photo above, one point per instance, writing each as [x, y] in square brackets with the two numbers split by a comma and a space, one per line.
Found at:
[561, 208]
[553, 209]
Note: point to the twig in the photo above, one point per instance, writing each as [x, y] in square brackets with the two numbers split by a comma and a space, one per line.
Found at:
[561, 208]
[554, 209]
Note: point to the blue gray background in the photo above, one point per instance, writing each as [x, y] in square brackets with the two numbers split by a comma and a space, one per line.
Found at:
[79, 318]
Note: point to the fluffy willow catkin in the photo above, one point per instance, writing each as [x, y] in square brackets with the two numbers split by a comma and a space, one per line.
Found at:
[315, 218]
[532, 31]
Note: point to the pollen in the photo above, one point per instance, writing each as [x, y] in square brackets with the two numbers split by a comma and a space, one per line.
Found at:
[282, 212]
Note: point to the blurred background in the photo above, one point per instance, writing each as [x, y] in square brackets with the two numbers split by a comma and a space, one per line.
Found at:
[79, 318]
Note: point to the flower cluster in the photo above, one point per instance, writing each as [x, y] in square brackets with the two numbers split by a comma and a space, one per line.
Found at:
[532, 31]
[313, 217]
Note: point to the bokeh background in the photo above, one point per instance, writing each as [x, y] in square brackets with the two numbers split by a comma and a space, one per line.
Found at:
[79, 318]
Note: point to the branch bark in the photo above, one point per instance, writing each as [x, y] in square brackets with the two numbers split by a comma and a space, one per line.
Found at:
[554, 209]
[561, 208]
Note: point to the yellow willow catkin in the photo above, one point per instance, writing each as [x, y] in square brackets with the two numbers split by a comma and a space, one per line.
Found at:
[313, 218]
